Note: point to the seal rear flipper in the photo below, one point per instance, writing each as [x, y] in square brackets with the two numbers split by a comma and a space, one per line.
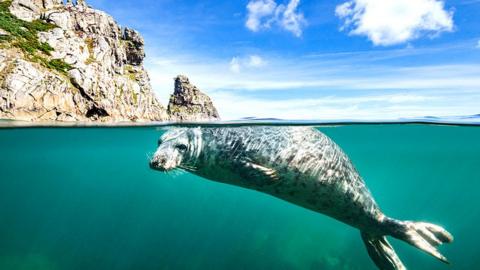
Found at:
[422, 235]
[382, 253]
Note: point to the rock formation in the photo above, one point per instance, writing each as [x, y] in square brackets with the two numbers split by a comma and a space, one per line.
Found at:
[188, 103]
[74, 63]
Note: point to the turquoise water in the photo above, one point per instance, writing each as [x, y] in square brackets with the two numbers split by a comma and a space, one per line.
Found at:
[85, 198]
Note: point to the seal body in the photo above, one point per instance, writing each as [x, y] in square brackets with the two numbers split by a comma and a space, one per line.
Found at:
[297, 164]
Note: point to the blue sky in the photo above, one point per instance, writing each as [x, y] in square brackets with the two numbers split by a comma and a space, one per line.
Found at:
[299, 59]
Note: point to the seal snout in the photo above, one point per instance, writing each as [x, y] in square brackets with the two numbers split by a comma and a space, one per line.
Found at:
[158, 163]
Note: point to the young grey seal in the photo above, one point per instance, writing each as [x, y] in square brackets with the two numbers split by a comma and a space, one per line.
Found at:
[300, 165]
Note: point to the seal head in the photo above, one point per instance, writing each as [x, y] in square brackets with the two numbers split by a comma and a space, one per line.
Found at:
[176, 149]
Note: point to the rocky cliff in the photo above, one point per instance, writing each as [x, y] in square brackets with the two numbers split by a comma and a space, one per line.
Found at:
[70, 62]
[188, 103]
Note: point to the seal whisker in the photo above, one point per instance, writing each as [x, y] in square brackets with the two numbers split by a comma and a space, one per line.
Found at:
[187, 167]
[179, 171]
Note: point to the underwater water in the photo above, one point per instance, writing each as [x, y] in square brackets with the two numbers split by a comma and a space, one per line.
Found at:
[85, 198]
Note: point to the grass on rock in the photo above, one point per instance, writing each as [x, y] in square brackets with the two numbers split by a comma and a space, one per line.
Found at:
[23, 35]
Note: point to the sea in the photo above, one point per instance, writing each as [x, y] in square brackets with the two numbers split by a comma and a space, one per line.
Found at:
[83, 197]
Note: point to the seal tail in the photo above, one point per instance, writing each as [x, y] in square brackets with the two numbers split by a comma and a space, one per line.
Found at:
[422, 235]
[382, 253]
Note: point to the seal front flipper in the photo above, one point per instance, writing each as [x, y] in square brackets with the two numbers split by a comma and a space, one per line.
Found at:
[258, 174]
[382, 253]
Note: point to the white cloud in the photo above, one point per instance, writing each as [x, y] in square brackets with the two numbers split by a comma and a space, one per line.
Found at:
[256, 61]
[390, 22]
[291, 20]
[259, 13]
[330, 86]
[237, 64]
[262, 14]
[478, 44]
[368, 107]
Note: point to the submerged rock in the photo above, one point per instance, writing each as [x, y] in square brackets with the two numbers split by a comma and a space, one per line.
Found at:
[188, 103]
[77, 64]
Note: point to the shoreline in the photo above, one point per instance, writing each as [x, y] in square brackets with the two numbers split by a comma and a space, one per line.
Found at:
[13, 124]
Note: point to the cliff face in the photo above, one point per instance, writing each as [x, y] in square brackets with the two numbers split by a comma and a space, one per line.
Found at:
[188, 103]
[74, 63]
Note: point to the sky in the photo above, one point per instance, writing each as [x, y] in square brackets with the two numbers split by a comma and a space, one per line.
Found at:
[305, 59]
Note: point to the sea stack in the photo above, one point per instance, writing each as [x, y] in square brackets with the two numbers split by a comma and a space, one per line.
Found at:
[188, 103]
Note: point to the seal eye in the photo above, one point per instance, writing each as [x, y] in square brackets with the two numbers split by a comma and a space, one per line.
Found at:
[181, 147]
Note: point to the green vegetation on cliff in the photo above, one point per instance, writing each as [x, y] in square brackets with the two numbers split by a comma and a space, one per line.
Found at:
[23, 35]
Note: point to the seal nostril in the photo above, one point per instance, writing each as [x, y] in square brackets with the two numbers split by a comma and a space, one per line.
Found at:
[158, 163]
[153, 163]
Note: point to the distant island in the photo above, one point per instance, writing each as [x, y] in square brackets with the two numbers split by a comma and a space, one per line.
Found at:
[70, 62]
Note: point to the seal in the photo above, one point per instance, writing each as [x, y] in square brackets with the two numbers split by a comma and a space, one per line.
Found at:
[302, 166]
